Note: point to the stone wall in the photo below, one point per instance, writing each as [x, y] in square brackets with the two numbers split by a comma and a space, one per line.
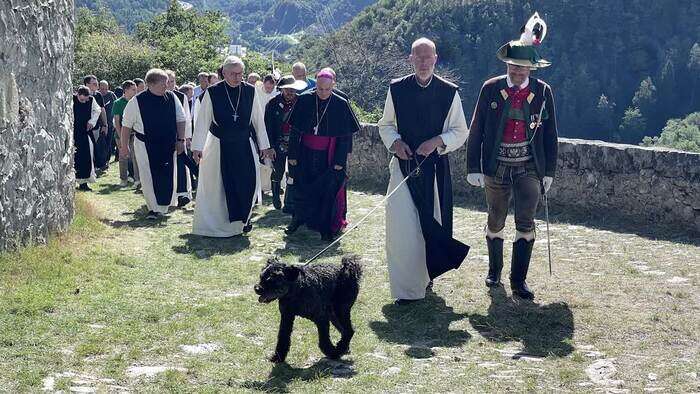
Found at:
[652, 185]
[36, 173]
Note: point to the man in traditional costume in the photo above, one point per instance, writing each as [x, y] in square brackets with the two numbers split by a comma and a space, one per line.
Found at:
[512, 151]
[423, 121]
[322, 125]
[184, 163]
[228, 159]
[158, 120]
[277, 112]
[86, 111]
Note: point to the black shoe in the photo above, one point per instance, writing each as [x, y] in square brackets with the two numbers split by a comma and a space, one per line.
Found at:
[182, 201]
[84, 187]
[293, 226]
[522, 251]
[276, 201]
[247, 228]
[152, 215]
[429, 287]
[495, 247]
[522, 290]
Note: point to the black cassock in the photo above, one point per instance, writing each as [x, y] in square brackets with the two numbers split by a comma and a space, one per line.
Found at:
[159, 135]
[183, 160]
[321, 201]
[233, 128]
[82, 112]
[420, 115]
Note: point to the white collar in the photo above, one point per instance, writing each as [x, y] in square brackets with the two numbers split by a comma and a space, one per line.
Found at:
[522, 86]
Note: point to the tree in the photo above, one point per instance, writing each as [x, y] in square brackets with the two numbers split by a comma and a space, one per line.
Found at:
[633, 126]
[694, 67]
[605, 117]
[186, 41]
[114, 58]
[683, 134]
[102, 49]
[87, 22]
[645, 100]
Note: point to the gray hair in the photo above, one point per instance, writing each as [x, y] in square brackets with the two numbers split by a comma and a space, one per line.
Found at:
[155, 75]
[299, 65]
[423, 41]
[103, 82]
[231, 61]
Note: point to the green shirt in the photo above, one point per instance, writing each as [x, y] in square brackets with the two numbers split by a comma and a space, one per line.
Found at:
[118, 107]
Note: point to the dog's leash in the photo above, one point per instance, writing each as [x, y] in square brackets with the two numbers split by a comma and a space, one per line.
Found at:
[356, 225]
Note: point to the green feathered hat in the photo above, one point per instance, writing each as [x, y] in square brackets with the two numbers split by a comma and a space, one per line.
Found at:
[523, 52]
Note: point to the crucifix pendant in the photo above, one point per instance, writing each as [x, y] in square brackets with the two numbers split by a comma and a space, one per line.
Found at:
[315, 130]
[235, 117]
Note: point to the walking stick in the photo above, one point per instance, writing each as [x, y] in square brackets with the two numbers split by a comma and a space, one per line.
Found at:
[544, 192]
[546, 216]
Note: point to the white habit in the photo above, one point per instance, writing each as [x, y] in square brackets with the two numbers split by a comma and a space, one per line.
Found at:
[132, 119]
[210, 212]
[405, 246]
[95, 112]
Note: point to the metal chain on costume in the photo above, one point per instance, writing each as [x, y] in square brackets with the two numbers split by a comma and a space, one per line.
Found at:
[235, 110]
[319, 119]
[356, 225]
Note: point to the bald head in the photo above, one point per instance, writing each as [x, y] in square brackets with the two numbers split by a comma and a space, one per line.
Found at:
[423, 44]
[299, 71]
[423, 58]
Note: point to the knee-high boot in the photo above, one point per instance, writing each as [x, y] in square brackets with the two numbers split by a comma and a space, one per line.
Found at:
[522, 251]
[495, 247]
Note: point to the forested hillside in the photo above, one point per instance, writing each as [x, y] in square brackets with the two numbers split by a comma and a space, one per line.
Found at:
[261, 24]
[621, 68]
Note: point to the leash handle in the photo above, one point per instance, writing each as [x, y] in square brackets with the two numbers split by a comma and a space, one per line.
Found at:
[356, 225]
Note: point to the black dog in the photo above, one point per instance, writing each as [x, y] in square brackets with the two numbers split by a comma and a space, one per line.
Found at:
[322, 293]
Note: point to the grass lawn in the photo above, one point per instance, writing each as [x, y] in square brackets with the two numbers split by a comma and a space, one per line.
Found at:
[119, 303]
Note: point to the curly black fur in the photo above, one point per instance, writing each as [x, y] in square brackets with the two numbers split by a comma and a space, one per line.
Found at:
[322, 293]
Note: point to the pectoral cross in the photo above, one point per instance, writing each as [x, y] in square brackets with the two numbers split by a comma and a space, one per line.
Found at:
[316, 130]
[235, 117]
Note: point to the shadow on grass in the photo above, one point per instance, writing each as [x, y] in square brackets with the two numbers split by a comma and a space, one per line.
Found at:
[282, 374]
[109, 189]
[205, 247]
[305, 244]
[272, 218]
[421, 325]
[543, 330]
[138, 220]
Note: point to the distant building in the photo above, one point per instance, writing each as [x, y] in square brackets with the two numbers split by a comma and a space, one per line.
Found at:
[237, 50]
[185, 5]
